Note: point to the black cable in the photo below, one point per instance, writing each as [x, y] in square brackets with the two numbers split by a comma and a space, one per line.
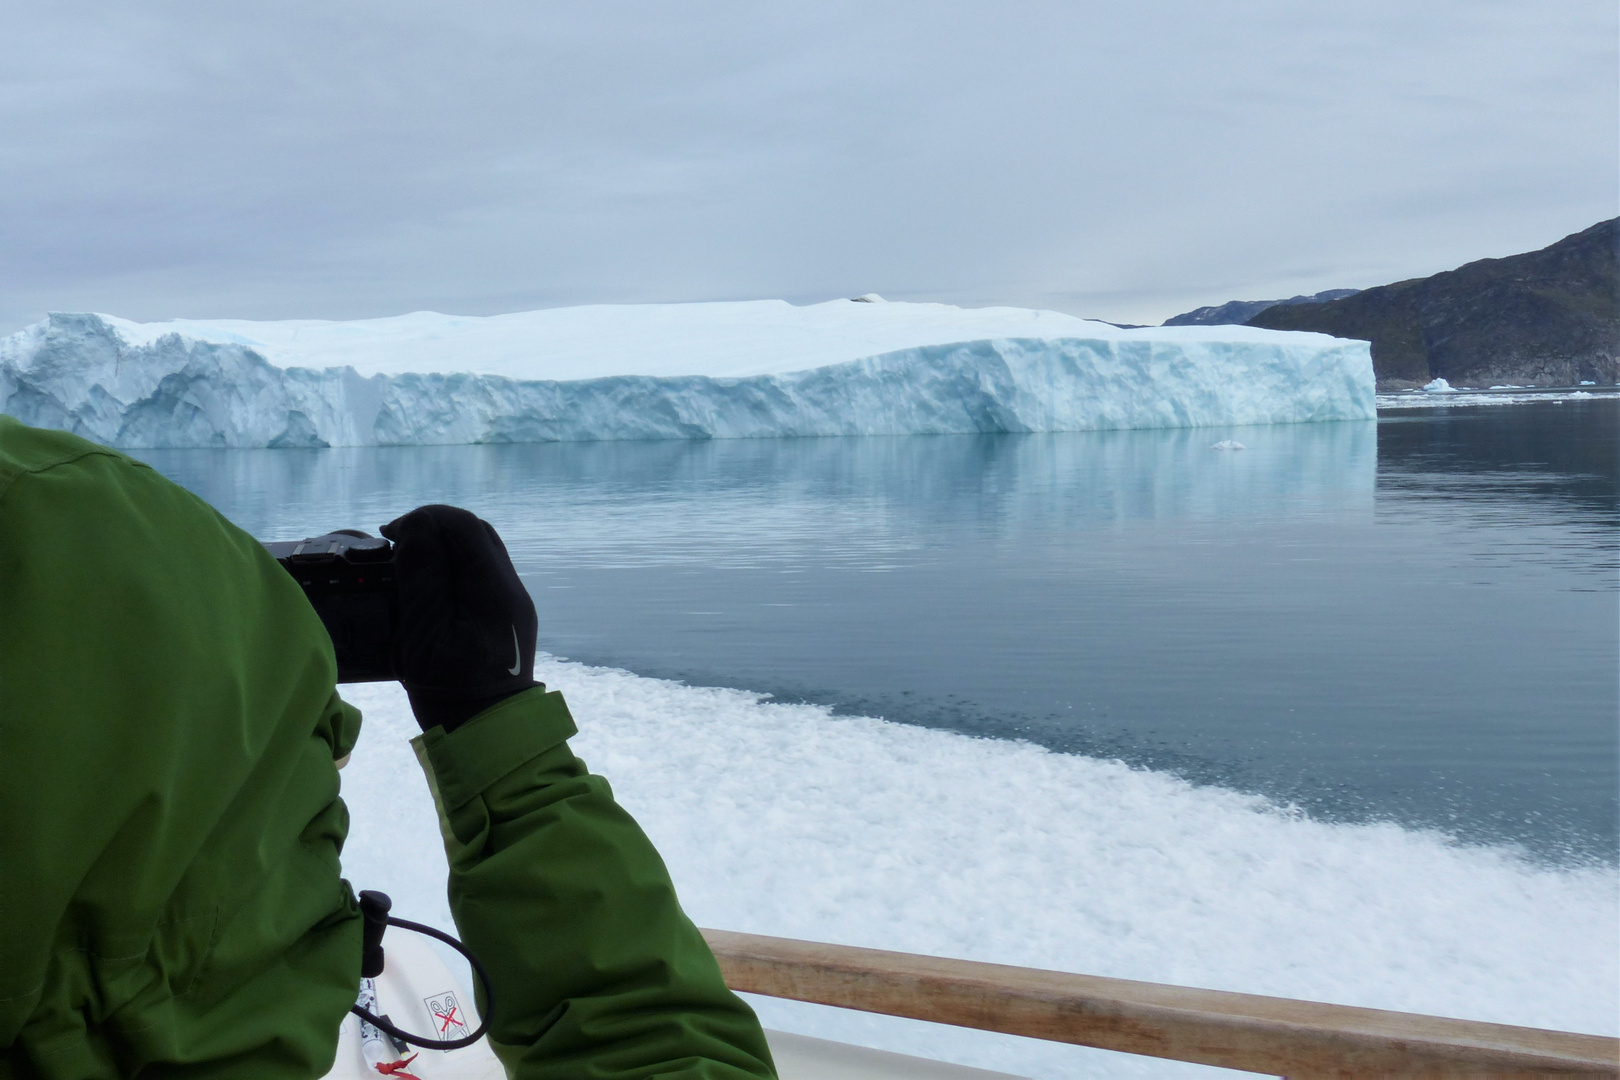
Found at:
[435, 1044]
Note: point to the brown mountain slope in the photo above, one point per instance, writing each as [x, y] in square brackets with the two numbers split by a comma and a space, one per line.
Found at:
[1544, 318]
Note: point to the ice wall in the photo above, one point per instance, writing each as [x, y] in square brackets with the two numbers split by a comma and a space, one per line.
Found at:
[123, 384]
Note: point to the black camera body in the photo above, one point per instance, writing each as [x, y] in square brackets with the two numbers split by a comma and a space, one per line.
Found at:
[349, 579]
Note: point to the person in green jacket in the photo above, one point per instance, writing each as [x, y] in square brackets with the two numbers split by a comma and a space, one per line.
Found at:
[171, 900]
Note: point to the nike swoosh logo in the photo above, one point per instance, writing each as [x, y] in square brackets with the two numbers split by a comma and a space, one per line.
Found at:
[517, 654]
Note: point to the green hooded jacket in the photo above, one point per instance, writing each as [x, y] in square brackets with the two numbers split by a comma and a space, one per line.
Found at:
[170, 825]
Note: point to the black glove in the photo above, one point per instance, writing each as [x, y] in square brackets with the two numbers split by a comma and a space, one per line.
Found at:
[467, 627]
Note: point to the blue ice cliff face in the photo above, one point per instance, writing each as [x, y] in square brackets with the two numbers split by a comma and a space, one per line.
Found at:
[78, 373]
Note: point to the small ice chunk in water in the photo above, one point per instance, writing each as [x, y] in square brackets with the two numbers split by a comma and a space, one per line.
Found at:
[1228, 444]
[1439, 386]
[1588, 382]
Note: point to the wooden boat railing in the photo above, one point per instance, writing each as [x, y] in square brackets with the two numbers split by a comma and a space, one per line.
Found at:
[1278, 1036]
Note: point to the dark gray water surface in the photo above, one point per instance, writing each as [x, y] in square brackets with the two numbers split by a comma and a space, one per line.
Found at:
[1414, 620]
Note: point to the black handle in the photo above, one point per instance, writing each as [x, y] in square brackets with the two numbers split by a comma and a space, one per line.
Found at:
[374, 907]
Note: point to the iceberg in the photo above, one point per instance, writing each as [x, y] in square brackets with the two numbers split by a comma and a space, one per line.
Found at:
[755, 369]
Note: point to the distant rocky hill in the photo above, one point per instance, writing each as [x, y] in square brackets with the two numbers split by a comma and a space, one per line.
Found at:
[1544, 318]
[1237, 312]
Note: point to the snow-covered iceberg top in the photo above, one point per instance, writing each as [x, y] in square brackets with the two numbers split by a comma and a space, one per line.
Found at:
[720, 370]
[722, 340]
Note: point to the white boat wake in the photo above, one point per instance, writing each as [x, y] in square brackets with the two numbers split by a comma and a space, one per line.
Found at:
[785, 820]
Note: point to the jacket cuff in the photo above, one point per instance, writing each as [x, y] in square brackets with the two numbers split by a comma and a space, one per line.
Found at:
[498, 741]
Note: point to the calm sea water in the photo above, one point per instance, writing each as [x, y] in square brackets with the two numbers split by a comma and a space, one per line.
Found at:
[1416, 619]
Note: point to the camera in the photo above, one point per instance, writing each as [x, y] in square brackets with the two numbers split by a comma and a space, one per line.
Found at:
[349, 579]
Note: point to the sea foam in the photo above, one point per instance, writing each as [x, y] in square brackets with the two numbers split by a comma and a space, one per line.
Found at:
[783, 819]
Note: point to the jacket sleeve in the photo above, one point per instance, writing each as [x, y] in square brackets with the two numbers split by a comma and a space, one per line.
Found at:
[596, 971]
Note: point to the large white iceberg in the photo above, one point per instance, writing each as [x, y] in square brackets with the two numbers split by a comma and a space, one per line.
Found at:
[663, 371]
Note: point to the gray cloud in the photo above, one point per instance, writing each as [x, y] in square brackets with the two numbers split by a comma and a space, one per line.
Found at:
[1126, 161]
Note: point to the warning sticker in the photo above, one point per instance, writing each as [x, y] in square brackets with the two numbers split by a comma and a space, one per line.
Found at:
[447, 1016]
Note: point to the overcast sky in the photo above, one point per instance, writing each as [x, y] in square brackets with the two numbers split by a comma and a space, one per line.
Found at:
[350, 159]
